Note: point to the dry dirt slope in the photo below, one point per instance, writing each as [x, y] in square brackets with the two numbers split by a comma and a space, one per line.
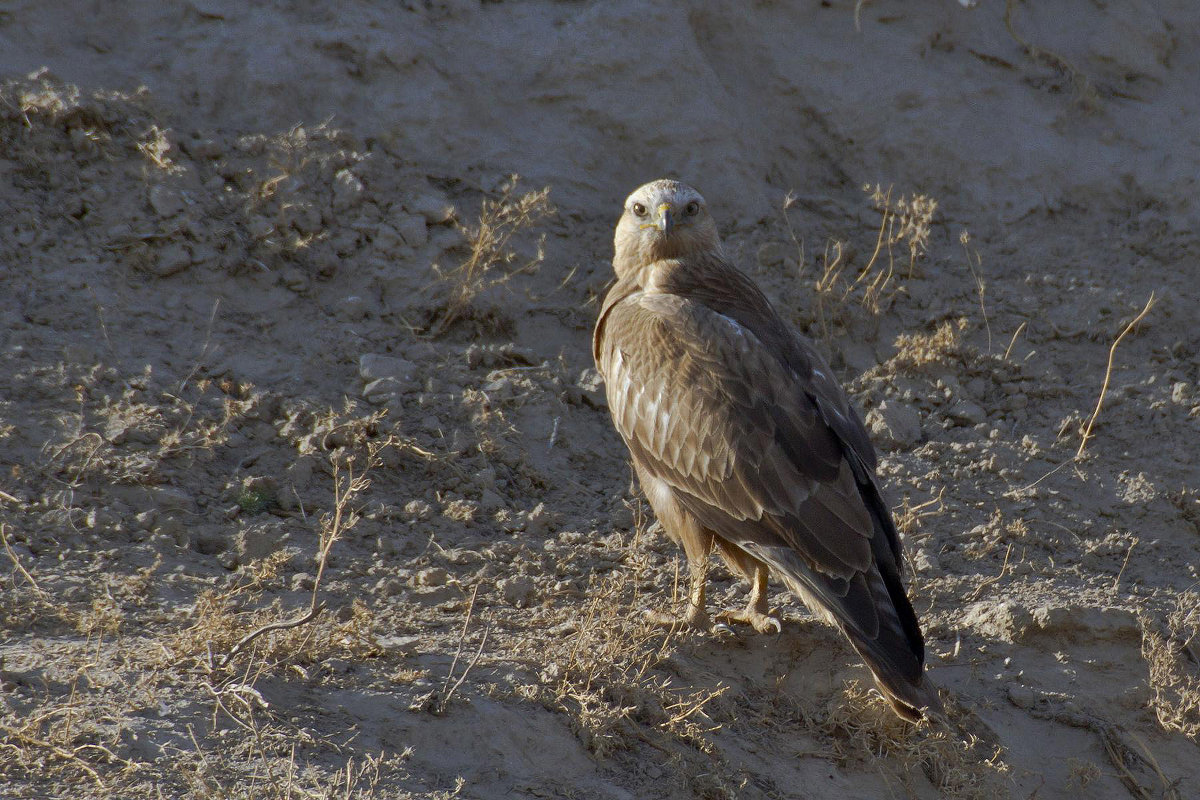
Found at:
[215, 319]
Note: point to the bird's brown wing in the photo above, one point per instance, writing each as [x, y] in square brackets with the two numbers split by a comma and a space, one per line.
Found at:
[705, 407]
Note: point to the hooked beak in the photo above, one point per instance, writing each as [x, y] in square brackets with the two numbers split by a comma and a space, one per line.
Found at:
[662, 218]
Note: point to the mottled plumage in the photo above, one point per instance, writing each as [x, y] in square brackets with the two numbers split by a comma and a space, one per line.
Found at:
[743, 440]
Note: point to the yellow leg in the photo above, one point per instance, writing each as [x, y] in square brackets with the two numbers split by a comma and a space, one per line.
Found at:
[757, 614]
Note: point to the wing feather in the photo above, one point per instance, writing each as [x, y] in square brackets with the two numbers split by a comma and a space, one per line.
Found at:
[704, 406]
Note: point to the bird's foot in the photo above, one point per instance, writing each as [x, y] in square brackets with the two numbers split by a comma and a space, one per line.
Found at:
[763, 623]
[696, 619]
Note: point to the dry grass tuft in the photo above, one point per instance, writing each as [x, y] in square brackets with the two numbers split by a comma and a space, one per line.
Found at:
[1174, 664]
[493, 258]
[904, 225]
[860, 727]
[605, 677]
[917, 349]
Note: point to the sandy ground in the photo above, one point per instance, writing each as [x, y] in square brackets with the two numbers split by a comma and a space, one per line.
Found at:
[264, 263]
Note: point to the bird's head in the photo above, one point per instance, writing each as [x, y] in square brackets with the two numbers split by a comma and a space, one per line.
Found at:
[663, 219]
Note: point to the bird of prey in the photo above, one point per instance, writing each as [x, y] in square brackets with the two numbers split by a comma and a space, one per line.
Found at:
[743, 441]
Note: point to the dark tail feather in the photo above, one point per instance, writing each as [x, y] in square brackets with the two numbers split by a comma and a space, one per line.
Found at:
[910, 696]
[879, 622]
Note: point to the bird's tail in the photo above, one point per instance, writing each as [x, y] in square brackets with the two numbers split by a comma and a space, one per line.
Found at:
[910, 696]
[881, 626]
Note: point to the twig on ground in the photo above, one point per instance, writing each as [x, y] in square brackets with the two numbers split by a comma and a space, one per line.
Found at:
[1013, 340]
[17, 563]
[1087, 431]
[448, 690]
[330, 533]
[965, 238]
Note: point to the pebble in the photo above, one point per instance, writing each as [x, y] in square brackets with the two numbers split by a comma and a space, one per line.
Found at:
[966, 412]
[381, 391]
[171, 260]
[374, 366]
[1006, 620]
[540, 520]
[295, 280]
[418, 509]
[431, 576]
[1021, 696]
[925, 563]
[166, 202]
[389, 587]
[516, 591]
[1079, 622]
[894, 425]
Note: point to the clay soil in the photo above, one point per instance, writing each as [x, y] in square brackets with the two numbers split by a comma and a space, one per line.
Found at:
[308, 486]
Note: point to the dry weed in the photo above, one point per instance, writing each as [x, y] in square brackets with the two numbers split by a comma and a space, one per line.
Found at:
[1112, 351]
[914, 350]
[860, 727]
[493, 254]
[1174, 665]
[904, 224]
[910, 518]
[605, 676]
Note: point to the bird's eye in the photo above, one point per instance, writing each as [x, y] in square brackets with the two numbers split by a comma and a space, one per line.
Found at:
[639, 209]
[692, 209]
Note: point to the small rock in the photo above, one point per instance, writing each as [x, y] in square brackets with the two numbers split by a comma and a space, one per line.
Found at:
[206, 541]
[894, 425]
[1081, 623]
[373, 366]
[516, 591]
[588, 390]
[1005, 620]
[401, 645]
[1021, 696]
[295, 280]
[1180, 392]
[418, 510]
[966, 412]
[431, 576]
[389, 587]
[540, 520]
[925, 563]
[165, 202]
[167, 498]
[171, 260]
[381, 391]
